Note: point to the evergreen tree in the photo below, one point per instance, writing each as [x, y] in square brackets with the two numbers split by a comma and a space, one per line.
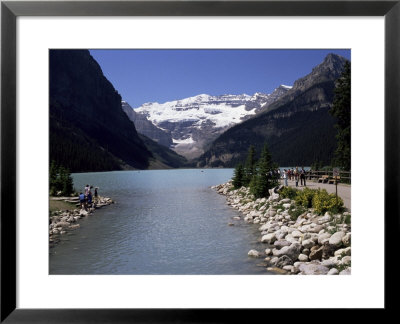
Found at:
[341, 109]
[238, 176]
[60, 180]
[249, 166]
[66, 180]
[53, 177]
[264, 178]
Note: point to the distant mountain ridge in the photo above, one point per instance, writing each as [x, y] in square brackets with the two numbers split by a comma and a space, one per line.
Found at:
[297, 127]
[189, 125]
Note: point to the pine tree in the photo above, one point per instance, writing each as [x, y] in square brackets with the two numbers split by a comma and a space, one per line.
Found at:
[60, 180]
[238, 176]
[249, 166]
[264, 178]
[67, 186]
[341, 109]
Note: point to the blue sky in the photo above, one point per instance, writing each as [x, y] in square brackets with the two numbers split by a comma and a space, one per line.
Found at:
[163, 75]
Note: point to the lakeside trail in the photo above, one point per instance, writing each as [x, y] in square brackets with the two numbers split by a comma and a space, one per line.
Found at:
[344, 190]
[305, 244]
[62, 221]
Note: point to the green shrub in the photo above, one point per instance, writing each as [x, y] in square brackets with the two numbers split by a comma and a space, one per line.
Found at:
[296, 211]
[323, 202]
[305, 197]
[288, 192]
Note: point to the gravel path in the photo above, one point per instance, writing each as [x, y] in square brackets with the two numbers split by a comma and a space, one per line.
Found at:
[344, 191]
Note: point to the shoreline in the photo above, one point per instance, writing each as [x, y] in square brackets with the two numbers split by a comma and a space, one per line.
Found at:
[63, 221]
[307, 244]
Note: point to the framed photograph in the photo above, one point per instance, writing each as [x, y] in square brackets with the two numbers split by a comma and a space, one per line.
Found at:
[43, 41]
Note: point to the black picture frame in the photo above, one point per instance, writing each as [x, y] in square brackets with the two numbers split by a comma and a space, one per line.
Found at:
[10, 10]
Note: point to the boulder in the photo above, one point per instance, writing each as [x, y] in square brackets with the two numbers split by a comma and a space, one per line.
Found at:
[287, 206]
[281, 243]
[324, 219]
[285, 201]
[327, 250]
[272, 213]
[315, 228]
[268, 251]
[316, 254]
[313, 269]
[336, 239]
[284, 260]
[288, 268]
[291, 251]
[274, 260]
[253, 253]
[308, 244]
[277, 270]
[303, 258]
[346, 260]
[345, 271]
[83, 212]
[333, 271]
[62, 224]
[269, 238]
[343, 252]
[328, 263]
[290, 238]
[346, 240]
[296, 234]
[324, 237]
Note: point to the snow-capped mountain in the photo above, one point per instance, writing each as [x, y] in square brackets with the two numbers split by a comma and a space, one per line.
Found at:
[192, 123]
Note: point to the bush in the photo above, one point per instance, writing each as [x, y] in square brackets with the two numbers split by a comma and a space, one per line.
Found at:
[295, 212]
[305, 197]
[288, 192]
[323, 202]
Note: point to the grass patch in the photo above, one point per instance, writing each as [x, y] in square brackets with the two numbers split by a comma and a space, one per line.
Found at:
[55, 205]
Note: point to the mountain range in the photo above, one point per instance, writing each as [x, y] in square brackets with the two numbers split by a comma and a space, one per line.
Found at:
[189, 125]
[216, 131]
[93, 129]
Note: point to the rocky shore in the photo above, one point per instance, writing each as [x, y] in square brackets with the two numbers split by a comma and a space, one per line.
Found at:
[62, 221]
[305, 244]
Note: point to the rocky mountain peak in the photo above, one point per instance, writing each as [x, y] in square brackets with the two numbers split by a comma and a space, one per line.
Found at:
[330, 69]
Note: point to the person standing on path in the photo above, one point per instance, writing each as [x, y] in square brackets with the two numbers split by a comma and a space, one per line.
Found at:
[285, 177]
[303, 177]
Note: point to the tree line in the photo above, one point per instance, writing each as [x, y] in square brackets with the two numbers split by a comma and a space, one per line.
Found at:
[341, 110]
[260, 175]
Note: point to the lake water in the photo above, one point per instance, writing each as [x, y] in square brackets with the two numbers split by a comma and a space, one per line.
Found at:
[163, 222]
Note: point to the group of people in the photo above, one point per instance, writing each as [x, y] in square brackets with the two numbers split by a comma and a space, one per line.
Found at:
[294, 174]
[86, 197]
